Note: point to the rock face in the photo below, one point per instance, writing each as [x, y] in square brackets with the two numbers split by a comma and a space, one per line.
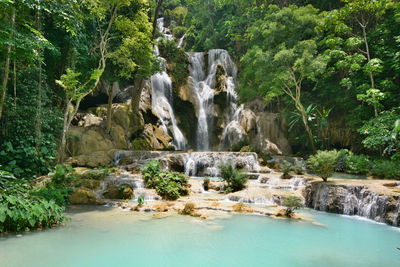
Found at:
[353, 200]
[192, 163]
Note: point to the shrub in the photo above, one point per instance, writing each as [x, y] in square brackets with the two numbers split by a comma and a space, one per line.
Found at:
[235, 180]
[63, 175]
[246, 149]
[298, 168]
[5, 179]
[188, 209]
[169, 185]
[140, 200]
[291, 203]
[21, 211]
[241, 208]
[342, 160]
[58, 195]
[238, 146]
[358, 164]
[386, 169]
[323, 163]
[286, 168]
[206, 184]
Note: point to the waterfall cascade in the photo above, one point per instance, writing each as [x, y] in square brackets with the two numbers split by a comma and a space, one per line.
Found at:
[203, 82]
[161, 86]
[353, 200]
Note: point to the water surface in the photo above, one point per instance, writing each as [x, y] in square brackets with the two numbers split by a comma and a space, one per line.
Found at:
[117, 238]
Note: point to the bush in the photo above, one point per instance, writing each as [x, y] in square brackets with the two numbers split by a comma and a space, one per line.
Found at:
[386, 169]
[58, 195]
[323, 163]
[286, 168]
[291, 203]
[63, 175]
[235, 180]
[188, 209]
[206, 184]
[298, 168]
[246, 149]
[22, 211]
[358, 164]
[5, 179]
[169, 185]
[341, 163]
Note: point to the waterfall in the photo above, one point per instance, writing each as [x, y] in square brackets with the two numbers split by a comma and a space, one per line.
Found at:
[208, 163]
[204, 89]
[162, 95]
[353, 200]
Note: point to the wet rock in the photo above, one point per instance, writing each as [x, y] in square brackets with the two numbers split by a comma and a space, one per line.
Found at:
[353, 200]
[83, 197]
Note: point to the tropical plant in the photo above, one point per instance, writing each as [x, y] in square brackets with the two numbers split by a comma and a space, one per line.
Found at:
[234, 179]
[169, 185]
[358, 164]
[323, 163]
[21, 211]
[286, 168]
[291, 203]
[140, 200]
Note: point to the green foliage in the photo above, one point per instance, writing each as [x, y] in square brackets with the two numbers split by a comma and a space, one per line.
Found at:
[5, 179]
[22, 211]
[169, 185]
[286, 167]
[140, 144]
[234, 179]
[323, 163]
[140, 200]
[63, 175]
[358, 164]
[291, 203]
[385, 169]
[378, 132]
[58, 195]
[178, 61]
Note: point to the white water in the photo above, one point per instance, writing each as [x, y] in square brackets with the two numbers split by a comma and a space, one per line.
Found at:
[161, 86]
[203, 86]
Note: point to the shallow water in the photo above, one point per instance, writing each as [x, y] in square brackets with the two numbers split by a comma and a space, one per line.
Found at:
[118, 238]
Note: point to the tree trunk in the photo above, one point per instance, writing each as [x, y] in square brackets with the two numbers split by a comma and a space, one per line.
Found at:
[109, 108]
[38, 119]
[156, 12]
[63, 142]
[3, 89]
[371, 76]
[307, 127]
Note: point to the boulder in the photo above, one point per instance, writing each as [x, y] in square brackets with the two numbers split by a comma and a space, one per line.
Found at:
[86, 141]
[83, 197]
[93, 160]
[90, 120]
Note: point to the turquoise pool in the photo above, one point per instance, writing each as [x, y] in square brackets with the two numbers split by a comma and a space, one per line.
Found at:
[117, 238]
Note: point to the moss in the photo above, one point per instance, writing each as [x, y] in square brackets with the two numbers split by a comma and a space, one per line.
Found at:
[140, 144]
[83, 197]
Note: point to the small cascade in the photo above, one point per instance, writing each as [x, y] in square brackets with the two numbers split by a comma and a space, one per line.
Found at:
[292, 184]
[162, 98]
[208, 163]
[204, 87]
[353, 200]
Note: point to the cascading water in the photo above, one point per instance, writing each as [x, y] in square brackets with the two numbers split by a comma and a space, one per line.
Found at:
[203, 86]
[161, 86]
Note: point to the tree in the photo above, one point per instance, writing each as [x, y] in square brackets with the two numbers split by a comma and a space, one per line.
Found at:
[291, 203]
[9, 45]
[323, 163]
[75, 92]
[284, 57]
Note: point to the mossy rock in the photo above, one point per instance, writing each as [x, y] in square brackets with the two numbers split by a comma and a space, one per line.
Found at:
[112, 192]
[140, 144]
[83, 197]
[119, 192]
[90, 184]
